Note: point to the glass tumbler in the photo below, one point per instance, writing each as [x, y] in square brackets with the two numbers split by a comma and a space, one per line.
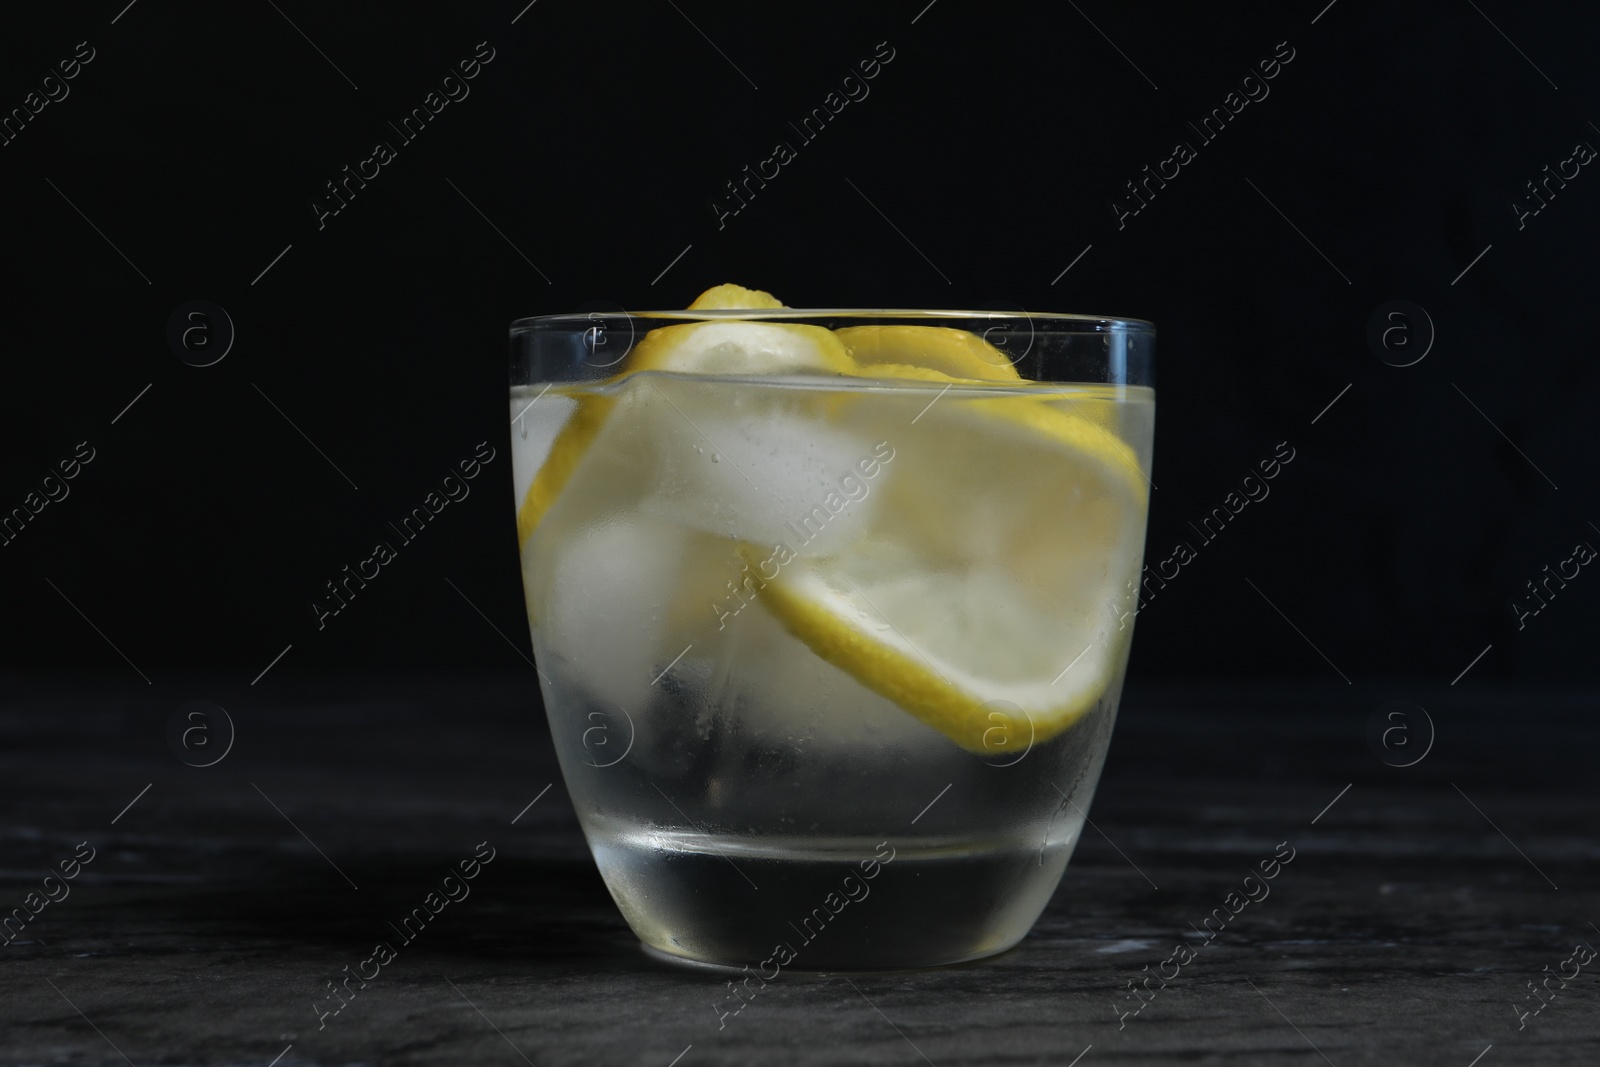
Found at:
[831, 611]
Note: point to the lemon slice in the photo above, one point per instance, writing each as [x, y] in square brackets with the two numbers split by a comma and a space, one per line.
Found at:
[566, 452]
[987, 598]
[736, 347]
[941, 354]
[912, 372]
[734, 296]
[722, 347]
[958, 353]
[1056, 418]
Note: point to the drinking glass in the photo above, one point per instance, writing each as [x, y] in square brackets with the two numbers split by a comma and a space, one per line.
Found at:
[831, 659]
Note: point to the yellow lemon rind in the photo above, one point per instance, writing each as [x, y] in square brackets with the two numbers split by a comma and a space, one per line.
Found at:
[908, 682]
[959, 353]
[734, 297]
[1075, 432]
[566, 453]
[657, 349]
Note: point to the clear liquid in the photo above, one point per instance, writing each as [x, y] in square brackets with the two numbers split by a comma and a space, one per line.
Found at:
[737, 899]
[734, 787]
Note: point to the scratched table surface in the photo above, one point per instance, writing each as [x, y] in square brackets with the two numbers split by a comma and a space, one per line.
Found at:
[1433, 914]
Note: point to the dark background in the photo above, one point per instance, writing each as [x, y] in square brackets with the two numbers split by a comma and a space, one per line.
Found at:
[593, 145]
[370, 357]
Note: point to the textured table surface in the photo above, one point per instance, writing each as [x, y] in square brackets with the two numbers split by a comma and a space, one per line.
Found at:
[1421, 904]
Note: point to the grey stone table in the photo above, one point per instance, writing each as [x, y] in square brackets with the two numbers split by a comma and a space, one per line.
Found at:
[1423, 905]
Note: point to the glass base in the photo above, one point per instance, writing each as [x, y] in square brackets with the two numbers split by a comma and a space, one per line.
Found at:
[772, 904]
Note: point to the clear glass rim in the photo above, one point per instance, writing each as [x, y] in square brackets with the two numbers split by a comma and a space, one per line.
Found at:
[1047, 319]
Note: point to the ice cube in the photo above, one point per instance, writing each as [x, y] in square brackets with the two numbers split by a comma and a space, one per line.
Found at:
[769, 471]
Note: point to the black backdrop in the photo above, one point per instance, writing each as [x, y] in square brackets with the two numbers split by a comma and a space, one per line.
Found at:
[980, 166]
